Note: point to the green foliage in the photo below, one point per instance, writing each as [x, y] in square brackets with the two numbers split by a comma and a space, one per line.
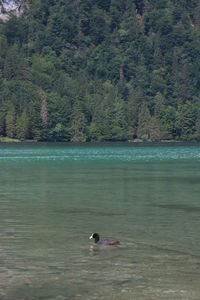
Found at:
[186, 120]
[3, 50]
[10, 121]
[22, 126]
[197, 127]
[104, 70]
[144, 119]
[2, 120]
[15, 65]
[78, 123]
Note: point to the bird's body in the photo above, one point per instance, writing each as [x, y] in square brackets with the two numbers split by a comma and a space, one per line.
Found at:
[106, 242]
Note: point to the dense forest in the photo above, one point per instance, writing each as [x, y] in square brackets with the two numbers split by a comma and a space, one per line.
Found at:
[101, 70]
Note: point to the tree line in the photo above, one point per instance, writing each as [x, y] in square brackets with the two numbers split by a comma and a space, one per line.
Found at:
[109, 70]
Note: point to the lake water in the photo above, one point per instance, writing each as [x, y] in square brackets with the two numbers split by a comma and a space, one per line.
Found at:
[52, 197]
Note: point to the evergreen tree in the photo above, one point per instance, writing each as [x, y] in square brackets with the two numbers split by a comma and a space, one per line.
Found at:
[44, 115]
[22, 126]
[135, 101]
[3, 50]
[2, 119]
[11, 64]
[159, 106]
[170, 120]
[186, 121]
[143, 123]
[78, 123]
[197, 129]
[118, 123]
[10, 121]
[109, 70]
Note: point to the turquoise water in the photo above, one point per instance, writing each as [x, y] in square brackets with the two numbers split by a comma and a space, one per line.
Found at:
[52, 197]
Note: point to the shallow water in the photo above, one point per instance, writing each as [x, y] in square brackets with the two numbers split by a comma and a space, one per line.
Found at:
[52, 197]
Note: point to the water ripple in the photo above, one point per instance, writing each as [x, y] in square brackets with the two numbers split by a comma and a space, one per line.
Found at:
[107, 153]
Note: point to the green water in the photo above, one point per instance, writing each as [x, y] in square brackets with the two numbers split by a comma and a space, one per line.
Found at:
[53, 197]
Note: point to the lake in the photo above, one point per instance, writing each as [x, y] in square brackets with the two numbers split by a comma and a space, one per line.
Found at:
[53, 197]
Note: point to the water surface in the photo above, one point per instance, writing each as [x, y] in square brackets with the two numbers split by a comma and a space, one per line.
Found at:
[52, 197]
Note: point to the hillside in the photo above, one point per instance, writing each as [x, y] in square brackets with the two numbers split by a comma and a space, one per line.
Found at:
[101, 70]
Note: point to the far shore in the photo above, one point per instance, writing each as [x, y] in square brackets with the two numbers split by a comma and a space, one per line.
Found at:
[6, 140]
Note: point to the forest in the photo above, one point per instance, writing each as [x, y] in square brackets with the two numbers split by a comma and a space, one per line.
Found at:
[101, 70]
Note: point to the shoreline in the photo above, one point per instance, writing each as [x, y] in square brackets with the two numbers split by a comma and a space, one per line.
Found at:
[136, 142]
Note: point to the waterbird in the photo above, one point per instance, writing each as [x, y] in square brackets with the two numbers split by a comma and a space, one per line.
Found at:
[107, 242]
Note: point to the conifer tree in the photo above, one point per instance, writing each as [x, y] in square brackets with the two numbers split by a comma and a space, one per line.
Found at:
[22, 126]
[10, 121]
[108, 70]
[144, 123]
[44, 115]
[78, 123]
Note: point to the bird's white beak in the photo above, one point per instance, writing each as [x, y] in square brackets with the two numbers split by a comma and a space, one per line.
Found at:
[91, 237]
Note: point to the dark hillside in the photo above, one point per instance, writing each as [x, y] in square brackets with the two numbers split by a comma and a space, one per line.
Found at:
[96, 70]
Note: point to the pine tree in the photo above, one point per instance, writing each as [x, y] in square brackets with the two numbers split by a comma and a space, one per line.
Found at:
[3, 50]
[22, 126]
[135, 100]
[159, 105]
[44, 115]
[10, 121]
[2, 120]
[144, 123]
[78, 123]
[15, 65]
[197, 129]
[118, 121]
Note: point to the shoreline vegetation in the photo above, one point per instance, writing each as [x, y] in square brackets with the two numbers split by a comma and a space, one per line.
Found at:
[100, 71]
[7, 140]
